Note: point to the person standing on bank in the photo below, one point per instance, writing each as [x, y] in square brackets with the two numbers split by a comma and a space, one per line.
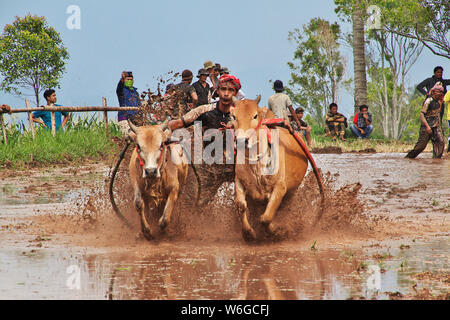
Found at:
[281, 104]
[425, 86]
[431, 124]
[45, 118]
[128, 97]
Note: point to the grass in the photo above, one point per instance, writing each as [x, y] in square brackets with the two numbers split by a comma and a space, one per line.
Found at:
[81, 140]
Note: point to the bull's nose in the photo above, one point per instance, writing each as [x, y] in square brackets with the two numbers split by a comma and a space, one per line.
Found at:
[150, 171]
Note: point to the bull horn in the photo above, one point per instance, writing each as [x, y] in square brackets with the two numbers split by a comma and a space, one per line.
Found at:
[235, 99]
[258, 99]
[132, 126]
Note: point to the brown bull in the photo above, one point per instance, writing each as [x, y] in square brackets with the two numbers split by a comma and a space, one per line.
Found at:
[253, 180]
[158, 169]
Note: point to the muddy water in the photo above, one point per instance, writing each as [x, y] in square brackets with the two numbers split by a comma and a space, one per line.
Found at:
[407, 251]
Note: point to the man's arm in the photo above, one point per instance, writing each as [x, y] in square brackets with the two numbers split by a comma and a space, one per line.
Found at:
[420, 87]
[38, 120]
[422, 115]
[189, 118]
[194, 97]
[119, 90]
[66, 118]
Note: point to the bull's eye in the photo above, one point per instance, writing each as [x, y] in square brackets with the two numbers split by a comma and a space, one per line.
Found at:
[138, 148]
[255, 117]
[233, 117]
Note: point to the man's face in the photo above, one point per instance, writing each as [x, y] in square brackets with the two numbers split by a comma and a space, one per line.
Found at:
[203, 77]
[226, 93]
[216, 72]
[334, 110]
[364, 110]
[438, 73]
[52, 98]
[299, 115]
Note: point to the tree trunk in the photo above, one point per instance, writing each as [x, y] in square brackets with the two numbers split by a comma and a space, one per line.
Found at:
[359, 59]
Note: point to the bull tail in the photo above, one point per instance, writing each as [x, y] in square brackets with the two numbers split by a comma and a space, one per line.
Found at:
[111, 184]
[315, 170]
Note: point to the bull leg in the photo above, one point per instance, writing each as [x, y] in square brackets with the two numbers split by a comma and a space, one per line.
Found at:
[241, 203]
[140, 207]
[274, 202]
[168, 208]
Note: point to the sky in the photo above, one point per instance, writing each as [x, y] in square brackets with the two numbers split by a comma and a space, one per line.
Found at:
[152, 38]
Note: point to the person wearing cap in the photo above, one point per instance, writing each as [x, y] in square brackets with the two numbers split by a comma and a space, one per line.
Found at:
[425, 86]
[281, 104]
[212, 80]
[304, 129]
[128, 96]
[447, 101]
[430, 128]
[185, 94]
[202, 88]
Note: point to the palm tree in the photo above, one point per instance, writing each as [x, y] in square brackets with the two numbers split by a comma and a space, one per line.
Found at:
[359, 57]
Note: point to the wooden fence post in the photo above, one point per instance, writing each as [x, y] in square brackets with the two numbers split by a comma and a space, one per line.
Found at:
[30, 119]
[5, 138]
[53, 124]
[105, 114]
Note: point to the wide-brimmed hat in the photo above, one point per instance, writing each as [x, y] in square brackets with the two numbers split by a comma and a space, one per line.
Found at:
[278, 85]
[202, 72]
[224, 70]
[208, 65]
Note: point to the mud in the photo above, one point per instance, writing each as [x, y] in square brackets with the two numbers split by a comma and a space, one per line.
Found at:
[381, 210]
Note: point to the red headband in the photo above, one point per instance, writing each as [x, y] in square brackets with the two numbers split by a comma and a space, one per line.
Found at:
[227, 78]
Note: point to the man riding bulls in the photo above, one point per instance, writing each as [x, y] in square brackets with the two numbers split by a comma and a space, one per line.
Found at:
[213, 116]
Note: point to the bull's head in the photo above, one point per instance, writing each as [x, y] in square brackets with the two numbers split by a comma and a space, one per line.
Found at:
[246, 119]
[150, 141]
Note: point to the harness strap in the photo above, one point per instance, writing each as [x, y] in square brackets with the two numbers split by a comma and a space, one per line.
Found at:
[141, 163]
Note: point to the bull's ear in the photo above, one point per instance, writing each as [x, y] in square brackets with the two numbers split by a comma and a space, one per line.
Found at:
[258, 99]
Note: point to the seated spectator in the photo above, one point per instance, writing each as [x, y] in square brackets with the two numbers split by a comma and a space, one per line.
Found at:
[362, 123]
[304, 129]
[335, 123]
[45, 118]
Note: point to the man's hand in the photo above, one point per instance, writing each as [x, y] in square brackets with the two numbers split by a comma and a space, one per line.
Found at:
[429, 130]
[5, 107]
[361, 130]
[124, 74]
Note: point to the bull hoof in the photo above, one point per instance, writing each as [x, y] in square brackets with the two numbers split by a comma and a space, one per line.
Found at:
[249, 235]
[162, 223]
[270, 228]
[147, 234]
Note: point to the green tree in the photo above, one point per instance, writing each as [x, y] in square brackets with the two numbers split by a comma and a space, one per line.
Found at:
[32, 56]
[317, 69]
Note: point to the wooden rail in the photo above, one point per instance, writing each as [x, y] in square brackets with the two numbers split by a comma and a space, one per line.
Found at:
[54, 109]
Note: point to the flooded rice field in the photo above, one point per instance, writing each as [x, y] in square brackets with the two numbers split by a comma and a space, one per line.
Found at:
[384, 234]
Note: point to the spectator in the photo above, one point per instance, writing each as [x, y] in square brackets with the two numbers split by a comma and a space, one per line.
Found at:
[335, 123]
[128, 97]
[45, 118]
[187, 98]
[304, 129]
[281, 104]
[430, 82]
[212, 80]
[430, 124]
[362, 127]
[202, 88]
[447, 101]
[225, 71]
